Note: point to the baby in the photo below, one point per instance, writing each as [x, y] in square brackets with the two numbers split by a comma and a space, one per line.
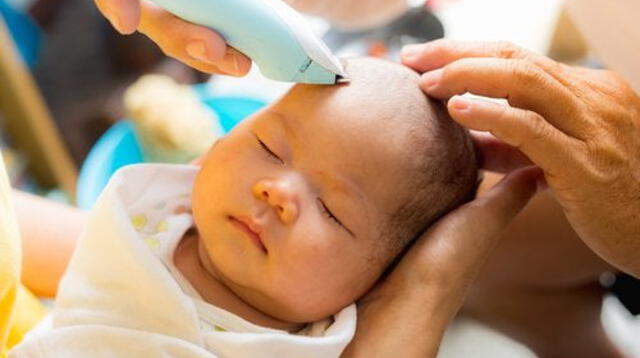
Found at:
[261, 250]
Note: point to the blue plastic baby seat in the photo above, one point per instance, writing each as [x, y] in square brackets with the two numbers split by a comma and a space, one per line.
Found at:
[119, 147]
[24, 31]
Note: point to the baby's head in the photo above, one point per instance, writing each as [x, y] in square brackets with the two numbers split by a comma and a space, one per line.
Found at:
[303, 206]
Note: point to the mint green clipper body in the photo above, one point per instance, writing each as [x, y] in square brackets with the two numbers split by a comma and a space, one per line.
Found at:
[270, 32]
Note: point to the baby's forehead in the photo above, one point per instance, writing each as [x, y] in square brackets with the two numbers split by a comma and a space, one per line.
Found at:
[366, 148]
[360, 125]
[376, 114]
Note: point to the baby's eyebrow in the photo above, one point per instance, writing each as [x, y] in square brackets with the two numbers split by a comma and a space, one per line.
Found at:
[338, 184]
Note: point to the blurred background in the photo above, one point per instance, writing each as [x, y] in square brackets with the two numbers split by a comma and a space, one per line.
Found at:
[65, 125]
[65, 70]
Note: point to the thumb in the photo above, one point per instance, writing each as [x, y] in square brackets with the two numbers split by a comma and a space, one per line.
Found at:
[461, 241]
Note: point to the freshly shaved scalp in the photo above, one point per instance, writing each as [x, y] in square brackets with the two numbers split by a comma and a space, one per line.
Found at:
[438, 160]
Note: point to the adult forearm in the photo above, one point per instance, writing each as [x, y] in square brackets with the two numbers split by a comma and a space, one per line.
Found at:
[49, 231]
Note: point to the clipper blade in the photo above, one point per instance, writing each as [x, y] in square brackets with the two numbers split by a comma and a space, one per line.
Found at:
[342, 80]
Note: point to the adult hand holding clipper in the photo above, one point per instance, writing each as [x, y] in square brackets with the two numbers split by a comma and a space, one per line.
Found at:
[205, 49]
[197, 46]
[269, 32]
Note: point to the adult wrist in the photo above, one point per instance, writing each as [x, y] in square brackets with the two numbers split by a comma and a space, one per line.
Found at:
[409, 323]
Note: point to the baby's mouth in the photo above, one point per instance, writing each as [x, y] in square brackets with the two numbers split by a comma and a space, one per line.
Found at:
[251, 229]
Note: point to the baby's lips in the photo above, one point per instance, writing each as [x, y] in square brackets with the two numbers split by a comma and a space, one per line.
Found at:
[251, 223]
[251, 228]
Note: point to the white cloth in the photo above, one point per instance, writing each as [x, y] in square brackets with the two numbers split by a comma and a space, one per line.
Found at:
[123, 297]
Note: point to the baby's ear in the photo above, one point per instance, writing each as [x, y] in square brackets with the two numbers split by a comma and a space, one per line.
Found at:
[198, 161]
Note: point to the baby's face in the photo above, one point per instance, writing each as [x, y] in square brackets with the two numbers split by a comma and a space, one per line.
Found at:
[290, 204]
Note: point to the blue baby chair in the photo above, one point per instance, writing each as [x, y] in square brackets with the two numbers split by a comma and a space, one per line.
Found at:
[25, 32]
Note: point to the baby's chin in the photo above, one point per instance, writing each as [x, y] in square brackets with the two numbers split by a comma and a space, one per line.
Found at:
[289, 308]
[307, 311]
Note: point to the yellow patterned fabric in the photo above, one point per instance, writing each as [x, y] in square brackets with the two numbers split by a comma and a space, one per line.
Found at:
[19, 309]
[9, 260]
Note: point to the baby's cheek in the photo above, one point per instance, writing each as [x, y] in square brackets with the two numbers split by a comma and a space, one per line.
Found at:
[201, 207]
[198, 206]
[206, 194]
[328, 269]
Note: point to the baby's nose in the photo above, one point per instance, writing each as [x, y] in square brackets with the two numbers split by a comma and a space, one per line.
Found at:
[281, 195]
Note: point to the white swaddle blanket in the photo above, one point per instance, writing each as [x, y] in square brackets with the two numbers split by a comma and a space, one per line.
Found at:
[122, 297]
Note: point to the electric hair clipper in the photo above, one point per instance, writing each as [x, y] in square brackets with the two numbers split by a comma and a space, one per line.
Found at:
[270, 32]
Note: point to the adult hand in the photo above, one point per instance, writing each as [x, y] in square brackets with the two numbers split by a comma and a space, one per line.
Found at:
[406, 314]
[197, 46]
[581, 126]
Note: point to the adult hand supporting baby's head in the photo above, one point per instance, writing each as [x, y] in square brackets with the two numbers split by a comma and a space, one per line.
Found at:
[407, 313]
[196, 46]
[579, 125]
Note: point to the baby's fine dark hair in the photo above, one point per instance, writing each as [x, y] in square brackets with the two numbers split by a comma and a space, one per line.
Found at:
[445, 178]
[439, 163]
[436, 161]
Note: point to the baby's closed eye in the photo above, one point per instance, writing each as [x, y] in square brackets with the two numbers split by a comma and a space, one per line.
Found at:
[268, 150]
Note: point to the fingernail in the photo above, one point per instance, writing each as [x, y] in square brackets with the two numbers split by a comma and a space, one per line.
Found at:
[431, 79]
[460, 103]
[198, 51]
[126, 25]
[411, 51]
[236, 65]
[116, 22]
[231, 64]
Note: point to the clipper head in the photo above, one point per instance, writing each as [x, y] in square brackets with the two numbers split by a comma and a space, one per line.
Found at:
[341, 77]
[322, 66]
[342, 80]
[313, 72]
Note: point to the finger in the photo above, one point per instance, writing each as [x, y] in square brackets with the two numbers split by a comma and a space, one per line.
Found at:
[124, 15]
[524, 130]
[195, 45]
[496, 155]
[206, 67]
[436, 54]
[521, 83]
[203, 67]
[498, 207]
